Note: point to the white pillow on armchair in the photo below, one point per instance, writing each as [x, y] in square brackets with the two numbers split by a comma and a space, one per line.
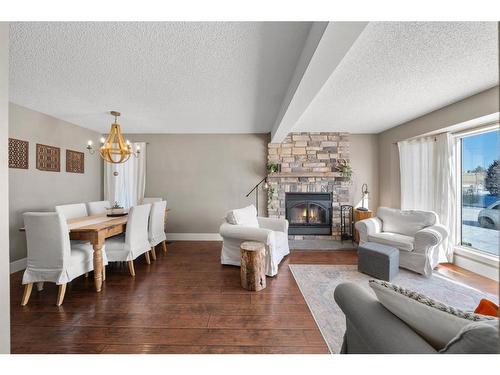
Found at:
[246, 216]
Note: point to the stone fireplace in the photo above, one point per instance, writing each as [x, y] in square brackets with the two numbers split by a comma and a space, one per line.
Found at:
[309, 164]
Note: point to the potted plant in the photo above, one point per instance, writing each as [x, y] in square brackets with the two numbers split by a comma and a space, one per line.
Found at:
[344, 169]
[270, 192]
[115, 209]
[272, 168]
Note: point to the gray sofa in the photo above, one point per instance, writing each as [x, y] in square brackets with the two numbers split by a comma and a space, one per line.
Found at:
[372, 329]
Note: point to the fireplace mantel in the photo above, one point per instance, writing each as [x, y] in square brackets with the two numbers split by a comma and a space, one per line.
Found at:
[306, 174]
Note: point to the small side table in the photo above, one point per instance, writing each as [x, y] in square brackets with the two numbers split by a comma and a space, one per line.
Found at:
[360, 215]
[253, 265]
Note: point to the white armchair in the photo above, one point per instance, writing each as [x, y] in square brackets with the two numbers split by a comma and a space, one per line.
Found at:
[416, 234]
[244, 225]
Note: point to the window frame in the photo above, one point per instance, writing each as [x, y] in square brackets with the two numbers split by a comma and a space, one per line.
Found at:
[470, 252]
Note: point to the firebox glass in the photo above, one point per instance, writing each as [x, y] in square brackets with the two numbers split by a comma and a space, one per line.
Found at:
[298, 214]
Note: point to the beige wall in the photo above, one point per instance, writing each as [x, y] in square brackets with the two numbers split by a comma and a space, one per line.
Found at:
[203, 176]
[4, 193]
[476, 106]
[34, 190]
[363, 154]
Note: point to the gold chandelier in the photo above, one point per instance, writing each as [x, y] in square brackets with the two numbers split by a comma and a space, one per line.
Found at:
[113, 149]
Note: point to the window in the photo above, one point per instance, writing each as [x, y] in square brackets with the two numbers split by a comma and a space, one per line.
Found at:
[479, 181]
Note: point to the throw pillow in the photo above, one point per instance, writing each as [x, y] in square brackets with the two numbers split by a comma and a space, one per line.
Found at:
[475, 338]
[486, 307]
[246, 216]
[435, 321]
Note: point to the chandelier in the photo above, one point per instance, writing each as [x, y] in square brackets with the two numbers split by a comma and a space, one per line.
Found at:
[113, 149]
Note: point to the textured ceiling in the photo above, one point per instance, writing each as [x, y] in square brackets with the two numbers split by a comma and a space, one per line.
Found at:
[397, 71]
[232, 77]
[163, 77]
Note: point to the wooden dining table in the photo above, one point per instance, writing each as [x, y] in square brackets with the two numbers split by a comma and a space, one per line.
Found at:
[96, 229]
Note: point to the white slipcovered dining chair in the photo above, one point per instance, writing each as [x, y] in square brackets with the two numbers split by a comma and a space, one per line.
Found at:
[150, 200]
[135, 242]
[76, 210]
[97, 208]
[157, 226]
[51, 255]
[71, 211]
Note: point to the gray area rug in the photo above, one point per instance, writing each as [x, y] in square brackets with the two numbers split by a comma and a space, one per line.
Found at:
[317, 283]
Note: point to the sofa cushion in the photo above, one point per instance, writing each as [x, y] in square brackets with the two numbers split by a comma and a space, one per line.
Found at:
[400, 241]
[435, 321]
[475, 338]
[246, 216]
[406, 222]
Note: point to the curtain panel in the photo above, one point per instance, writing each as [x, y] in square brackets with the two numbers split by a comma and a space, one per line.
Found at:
[428, 182]
[128, 186]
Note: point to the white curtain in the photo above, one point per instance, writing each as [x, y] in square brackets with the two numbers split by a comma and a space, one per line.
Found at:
[127, 187]
[428, 182]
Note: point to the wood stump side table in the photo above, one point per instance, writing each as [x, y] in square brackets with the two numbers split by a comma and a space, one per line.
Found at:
[253, 266]
[360, 215]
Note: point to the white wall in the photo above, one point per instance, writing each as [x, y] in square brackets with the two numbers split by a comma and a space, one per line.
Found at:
[4, 191]
[34, 190]
[363, 155]
[203, 176]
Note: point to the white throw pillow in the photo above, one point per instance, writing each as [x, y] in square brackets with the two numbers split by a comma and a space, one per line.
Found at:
[243, 216]
[436, 322]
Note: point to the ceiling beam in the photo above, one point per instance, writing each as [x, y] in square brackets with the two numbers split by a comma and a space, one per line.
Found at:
[325, 47]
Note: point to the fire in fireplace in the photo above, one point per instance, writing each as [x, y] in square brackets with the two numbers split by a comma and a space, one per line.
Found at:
[309, 213]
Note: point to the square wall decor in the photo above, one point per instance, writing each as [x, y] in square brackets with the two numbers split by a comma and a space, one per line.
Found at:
[75, 161]
[48, 158]
[18, 153]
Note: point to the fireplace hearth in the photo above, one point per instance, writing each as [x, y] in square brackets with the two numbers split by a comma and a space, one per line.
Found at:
[309, 213]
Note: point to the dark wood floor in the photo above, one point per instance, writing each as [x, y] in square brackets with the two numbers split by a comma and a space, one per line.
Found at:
[185, 302]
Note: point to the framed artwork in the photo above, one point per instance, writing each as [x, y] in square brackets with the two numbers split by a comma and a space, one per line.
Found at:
[75, 161]
[18, 153]
[48, 158]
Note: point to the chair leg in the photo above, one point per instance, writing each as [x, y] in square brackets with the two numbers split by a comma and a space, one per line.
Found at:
[39, 286]
[103, 273]
[60, 294]
[164, 245]
[153, 252]
[148, 261]
[27, 293]
[131, 267]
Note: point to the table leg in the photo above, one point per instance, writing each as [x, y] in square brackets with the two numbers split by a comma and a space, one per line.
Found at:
[98, 266]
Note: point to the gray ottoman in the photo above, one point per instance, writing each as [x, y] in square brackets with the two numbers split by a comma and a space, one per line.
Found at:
[377, 260]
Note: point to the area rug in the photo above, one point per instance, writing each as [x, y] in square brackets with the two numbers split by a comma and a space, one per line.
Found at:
[317, 283]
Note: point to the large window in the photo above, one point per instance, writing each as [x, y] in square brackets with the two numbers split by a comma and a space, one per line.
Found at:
[479, 181]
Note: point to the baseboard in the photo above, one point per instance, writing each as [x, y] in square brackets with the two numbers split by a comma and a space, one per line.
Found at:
[482, 269]
[194, 237]
[18, 265]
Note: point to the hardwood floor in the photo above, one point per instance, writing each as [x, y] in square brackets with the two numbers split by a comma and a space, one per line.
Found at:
[185, 302]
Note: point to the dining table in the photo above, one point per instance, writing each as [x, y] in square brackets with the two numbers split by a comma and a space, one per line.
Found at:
[96, 229]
